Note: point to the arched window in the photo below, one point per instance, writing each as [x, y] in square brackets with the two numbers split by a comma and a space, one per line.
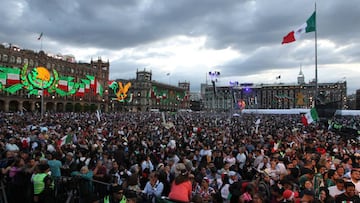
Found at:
[12, 59]
[18, 60]
[5, 58]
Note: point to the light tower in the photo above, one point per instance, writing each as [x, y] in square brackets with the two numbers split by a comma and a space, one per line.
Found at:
[213, 76]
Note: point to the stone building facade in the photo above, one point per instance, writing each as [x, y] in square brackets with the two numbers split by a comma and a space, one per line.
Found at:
[38, 81]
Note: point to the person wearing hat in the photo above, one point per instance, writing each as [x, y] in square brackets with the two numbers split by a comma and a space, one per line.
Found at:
[43, 185]
[233, 177]
[264, 184]
[181, 187]
[235, 186]
[290, 195]
[117, 195]
[69, 165]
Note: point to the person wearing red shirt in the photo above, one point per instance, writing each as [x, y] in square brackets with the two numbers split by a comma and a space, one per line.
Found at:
[181, 187]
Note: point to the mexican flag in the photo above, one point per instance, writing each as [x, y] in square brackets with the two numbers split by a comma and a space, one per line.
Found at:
[3, 78]
[87, 85]
[99, 88]
[63, 83]
[308, 26]
[310, 117]
[81, 91]
[110, 82]
[65, 140]
[12, 76]
[92, 81]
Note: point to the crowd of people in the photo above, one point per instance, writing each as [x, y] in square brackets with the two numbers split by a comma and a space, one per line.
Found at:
[177, 157]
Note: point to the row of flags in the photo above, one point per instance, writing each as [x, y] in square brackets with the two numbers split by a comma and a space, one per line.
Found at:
[66, 83]
[10, 77]
[86, 85]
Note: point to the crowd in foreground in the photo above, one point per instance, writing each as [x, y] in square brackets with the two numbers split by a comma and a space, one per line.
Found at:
[177, 157]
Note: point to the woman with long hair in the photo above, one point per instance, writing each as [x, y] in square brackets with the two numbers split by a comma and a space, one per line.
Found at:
[324, 196]
[181, 187]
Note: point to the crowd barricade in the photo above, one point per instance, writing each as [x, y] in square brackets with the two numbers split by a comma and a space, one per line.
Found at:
[66, 189]
[69, 189]
[3, 197]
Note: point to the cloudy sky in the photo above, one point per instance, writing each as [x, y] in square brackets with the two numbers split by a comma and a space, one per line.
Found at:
[188, 38]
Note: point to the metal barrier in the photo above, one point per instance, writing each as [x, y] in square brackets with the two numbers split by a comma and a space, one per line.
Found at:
[69, 190]
[66, 189]
[3, 198]
[72, 189]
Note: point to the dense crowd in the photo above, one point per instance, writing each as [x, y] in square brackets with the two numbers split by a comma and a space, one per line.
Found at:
[178, 157]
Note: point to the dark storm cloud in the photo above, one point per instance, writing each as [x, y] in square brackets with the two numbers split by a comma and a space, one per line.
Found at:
[254, 28]
[115, 24]
[118, 24]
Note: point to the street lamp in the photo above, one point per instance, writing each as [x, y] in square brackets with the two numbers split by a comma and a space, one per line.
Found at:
[213, 76]
[42, 99]
[233, 84]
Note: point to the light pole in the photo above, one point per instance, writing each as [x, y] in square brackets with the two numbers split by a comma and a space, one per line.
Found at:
[233, 84]
[42, 100]
[213, 76]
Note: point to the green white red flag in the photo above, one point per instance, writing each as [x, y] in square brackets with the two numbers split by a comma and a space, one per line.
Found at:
[310, 117]
[308, 26]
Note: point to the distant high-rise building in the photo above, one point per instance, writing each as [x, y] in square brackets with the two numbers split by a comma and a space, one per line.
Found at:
[357, 99]
[301, 77]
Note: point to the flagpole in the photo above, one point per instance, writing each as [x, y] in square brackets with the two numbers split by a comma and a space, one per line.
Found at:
[42, 100]
[316, 71]
[41, 40]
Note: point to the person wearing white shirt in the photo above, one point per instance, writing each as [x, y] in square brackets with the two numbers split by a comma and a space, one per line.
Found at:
[241, 157]
[11, 145]
[264, 164]
[281, 167]
[338, 188]
[230, 159]
[224, 189]
[205, 153]
[355, 178]
[258, 158]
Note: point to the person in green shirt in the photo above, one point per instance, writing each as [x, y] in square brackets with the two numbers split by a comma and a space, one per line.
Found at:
[43, 185]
